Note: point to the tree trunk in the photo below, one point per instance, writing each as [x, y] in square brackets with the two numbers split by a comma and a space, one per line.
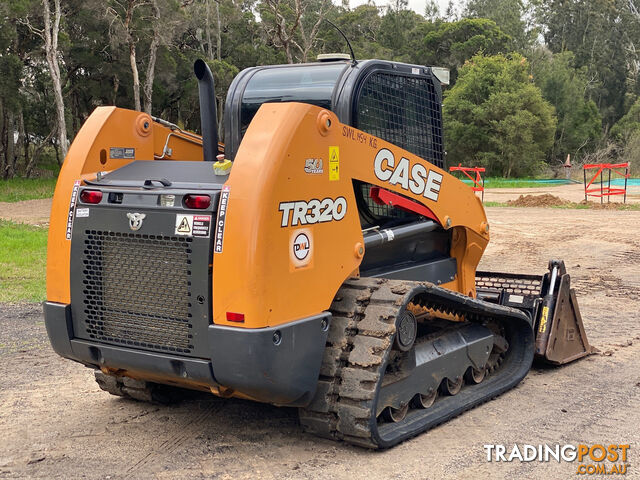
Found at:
[220, 110]
[3, 136]
[20, 143]
[25, 139]
[208, 30]
[36, 155]
[132, 55]
[219, 32]
[134, 73]
[8, 170]
[116, 85]
[57, 150]
[153, 53]
[51, 31]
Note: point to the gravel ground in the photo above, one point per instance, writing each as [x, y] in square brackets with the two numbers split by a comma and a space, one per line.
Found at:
[56, 423]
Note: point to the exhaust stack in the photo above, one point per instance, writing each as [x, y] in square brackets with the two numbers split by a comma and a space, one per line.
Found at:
[208, 110]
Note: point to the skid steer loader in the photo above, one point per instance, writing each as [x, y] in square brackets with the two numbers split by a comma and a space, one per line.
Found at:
[321, 258]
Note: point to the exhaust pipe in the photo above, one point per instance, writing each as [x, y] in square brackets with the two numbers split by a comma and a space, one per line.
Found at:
[208, 110]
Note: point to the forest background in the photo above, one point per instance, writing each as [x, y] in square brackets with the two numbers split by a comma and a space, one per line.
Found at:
[531, 81]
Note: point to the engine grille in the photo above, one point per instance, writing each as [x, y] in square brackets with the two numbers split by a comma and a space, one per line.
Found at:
[137, 290]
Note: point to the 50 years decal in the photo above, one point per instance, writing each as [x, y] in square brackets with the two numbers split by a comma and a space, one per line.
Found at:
[313, 211]
[415, 178]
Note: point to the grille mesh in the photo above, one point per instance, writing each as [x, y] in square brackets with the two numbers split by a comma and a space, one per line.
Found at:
[522, 286]
[380, 212]
[405, 111]
[137, 290]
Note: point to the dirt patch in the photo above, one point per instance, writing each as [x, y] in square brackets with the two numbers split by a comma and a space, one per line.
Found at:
[548, 200]
[33, 212]
[545, 200]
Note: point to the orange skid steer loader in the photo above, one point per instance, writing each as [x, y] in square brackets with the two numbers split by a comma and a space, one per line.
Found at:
[327, 261]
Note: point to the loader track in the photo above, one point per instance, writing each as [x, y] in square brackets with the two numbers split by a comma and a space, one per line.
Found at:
[140, 390]
[360, 346]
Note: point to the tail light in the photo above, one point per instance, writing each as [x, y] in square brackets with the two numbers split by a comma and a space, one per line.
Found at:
[197, 202]
[91, 196]
[235, 317]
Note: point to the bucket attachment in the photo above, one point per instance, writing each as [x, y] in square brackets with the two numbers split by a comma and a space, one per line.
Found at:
[562, 339]
[550, 301]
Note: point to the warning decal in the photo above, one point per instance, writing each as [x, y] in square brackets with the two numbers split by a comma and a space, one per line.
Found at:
[72, 207]
[334, 163]
[193, 225]
[222, 218]
[184, 227]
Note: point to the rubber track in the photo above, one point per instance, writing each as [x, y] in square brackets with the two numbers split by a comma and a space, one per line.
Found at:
[359, 341]
[136, 389]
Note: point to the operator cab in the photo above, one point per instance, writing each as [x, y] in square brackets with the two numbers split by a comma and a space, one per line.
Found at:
[397, 102]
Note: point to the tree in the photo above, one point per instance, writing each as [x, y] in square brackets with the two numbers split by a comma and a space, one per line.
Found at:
[602, 36]
[281, 20]
[150, 22]
[508, 16]
[396, 29]
[294, 24]
[451, 44]
[567, 89]
[628, 125]
[49, 33]
[496, 117]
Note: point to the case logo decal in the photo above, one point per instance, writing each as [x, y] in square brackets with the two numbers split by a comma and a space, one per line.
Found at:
[416, 178]
[313, 211]
[135, 220]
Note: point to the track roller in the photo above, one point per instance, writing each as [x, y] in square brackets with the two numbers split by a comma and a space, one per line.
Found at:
[452, 386]
[383, 369]
[474, 375]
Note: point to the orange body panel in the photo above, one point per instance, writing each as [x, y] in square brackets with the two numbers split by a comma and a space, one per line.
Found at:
[257, 273]
[106, 127]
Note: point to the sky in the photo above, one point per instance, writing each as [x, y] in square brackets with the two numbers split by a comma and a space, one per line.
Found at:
[416, 5]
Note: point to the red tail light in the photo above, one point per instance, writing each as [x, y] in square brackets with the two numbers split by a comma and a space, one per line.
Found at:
[198, 202]
[91, 196]
[235, 317]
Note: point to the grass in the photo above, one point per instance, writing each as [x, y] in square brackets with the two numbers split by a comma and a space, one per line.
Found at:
[18, 189]
[499, 182]
[23, 254]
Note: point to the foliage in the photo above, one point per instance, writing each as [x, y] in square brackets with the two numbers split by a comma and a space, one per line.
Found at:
[508, 15]
[582, 53]
[629, 125]
[23, 253]
[603, 35]
[497, 118]
[451, 44]
[631, 153]
[566, 88]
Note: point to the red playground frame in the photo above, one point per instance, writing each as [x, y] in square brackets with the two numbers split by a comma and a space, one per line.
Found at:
[478, 181]
[602, 191]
